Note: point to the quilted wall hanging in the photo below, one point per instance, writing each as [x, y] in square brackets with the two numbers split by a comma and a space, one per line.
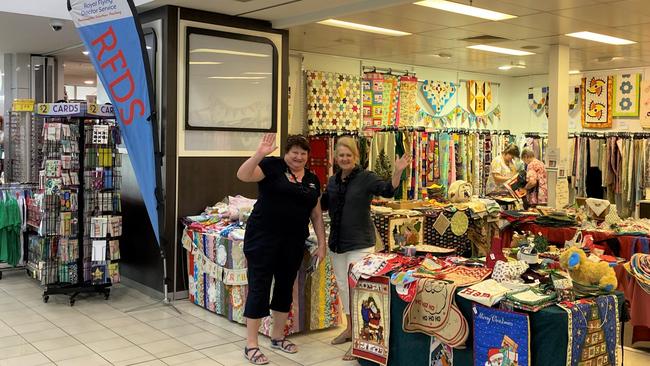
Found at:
[501, 337]
[405, 231]
[594, 331]
[644, 114]
[626, 95]
[333, 102]
[479, 97]
[597, 101]
[408, 107]
[437, 94]
[370, 311]
[380, 96]
[538, 99]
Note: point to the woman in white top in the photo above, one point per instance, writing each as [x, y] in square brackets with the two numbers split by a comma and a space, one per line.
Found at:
[502, 168]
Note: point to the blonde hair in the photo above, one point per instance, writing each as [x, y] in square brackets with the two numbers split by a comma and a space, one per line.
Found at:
[349, 143]
[527, 153]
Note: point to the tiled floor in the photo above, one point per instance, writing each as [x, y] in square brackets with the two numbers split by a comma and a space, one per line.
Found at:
[99, 332]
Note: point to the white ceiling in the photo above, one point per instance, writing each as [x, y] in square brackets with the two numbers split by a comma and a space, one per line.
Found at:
[540, 23]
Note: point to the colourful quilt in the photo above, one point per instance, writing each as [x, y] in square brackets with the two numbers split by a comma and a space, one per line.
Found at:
[408, 106]
[644, 115]
[594, 331]
[626, 95]
[597, 101]
[333, 102]
[438, 93]
[380, 95]
[538, 99]
[371, 319]
[479, 97]
[501, 337]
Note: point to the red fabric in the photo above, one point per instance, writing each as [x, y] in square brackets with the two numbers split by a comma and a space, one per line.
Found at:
[639, 300]
[319, 158]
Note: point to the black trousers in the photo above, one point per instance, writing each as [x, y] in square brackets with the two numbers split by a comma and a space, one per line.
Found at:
[273, 260]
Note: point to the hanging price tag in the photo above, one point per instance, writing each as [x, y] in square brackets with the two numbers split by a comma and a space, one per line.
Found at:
[22, 105]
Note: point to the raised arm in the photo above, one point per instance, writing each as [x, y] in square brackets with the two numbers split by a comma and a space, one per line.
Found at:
[250, 170]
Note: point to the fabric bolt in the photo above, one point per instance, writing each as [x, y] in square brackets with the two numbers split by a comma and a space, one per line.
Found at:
[341, 263]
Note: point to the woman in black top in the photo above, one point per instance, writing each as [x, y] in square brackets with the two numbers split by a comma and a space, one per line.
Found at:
[275, 236]
[352, 233]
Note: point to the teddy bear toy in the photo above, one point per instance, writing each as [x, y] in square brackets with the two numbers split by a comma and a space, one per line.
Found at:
[586, 272]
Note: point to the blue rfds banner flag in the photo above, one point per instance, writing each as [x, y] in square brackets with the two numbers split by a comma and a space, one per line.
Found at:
[113, 38]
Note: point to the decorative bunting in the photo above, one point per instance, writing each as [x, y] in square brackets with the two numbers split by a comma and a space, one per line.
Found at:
[438, 93]
[428, 120]
[333, 102]
[538, 99]
[597, 102]
[479, 97]
[205, 264]
[626, 95]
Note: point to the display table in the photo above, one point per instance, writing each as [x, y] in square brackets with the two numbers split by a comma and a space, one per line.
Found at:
[639, 301]
[218, 283]
[548, 339]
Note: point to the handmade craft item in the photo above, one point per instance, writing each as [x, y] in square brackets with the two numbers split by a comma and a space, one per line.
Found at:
[479, 97]
[501, 337]
[593, 331]
[408, 101]
[459, 223]
[509, 271]
[644, 105]
[626, 95]
[440, 354]
[437, 94]
[405, 231]
[333, 102]
[597, 102]
[487, 293]
[538, 99]
[529, 299]
[586, 272]
[370, 311]
[460, 191]
[639, 268]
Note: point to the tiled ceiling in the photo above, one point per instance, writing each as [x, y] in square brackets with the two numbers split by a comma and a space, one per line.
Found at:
[539, 23]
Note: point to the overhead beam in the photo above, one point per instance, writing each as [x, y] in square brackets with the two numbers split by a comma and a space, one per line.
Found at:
[339, 11]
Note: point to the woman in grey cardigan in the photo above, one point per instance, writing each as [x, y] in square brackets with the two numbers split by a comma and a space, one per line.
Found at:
[352, 233]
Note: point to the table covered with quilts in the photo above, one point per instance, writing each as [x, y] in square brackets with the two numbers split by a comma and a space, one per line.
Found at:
[634, 280]
[217, 274]
[453, 313]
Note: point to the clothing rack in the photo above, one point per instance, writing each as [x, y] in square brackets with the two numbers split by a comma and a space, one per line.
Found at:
[16, 187]
[389, 71]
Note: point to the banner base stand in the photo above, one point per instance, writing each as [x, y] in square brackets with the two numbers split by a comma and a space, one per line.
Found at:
[165, 300]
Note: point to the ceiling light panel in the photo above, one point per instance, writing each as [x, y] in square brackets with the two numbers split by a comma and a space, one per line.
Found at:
[227, 52]
[364, 28]
[602, 38]
[506, 51]
[472, 11]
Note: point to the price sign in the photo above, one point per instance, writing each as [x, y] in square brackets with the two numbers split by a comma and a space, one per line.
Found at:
[101, 110]
[58, 109]
[22, 105]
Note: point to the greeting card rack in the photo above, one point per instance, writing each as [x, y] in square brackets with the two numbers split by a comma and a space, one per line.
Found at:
[76, 212]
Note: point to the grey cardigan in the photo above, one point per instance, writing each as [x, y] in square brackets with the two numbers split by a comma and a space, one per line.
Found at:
[348, 202]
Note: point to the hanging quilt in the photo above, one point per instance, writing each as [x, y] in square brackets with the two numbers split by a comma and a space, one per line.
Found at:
[479, 97]
[501, 337]
[408, 106]
[538, 99]
[370, 313]
[644, 115]
[574, 98]
[597, 102]
[380, 96]
[438, 93]
[626, 95]
[391, 100]
[594, 331]
[333, 102]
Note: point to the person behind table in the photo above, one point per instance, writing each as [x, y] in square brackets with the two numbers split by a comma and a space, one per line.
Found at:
[536, 179]
[502, 168]
[274, 242]
[352, 233]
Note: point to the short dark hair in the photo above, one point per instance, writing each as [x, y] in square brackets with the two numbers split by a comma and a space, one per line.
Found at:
[512, 149]
[297, 140]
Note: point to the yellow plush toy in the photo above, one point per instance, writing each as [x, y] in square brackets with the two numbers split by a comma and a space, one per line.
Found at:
[586, 272]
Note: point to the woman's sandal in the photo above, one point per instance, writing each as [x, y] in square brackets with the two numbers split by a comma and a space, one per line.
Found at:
[348, 355]
[284, 345]
[257, 358]
[341, 338]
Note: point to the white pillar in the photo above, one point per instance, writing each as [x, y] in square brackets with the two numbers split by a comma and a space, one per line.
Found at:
[558, 119]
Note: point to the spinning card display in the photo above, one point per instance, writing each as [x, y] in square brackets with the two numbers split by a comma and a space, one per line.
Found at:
[370, 309]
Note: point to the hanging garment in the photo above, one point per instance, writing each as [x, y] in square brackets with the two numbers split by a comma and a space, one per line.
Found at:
[10, 230]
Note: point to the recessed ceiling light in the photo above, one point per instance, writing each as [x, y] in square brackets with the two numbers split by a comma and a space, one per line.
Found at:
[442, 55]
[507, 51]
[590, 36]
[513, 65]
[608, 58]
[237, 77]
[149, 47]
[364, 28]
[205, 63]
[529, 47]
[573, 72]
[89, 82]
[85, 53]
[472, 11]
[227, 52]
[256, 73]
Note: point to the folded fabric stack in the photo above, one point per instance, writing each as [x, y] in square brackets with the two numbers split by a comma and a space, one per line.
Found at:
[556, 220]
[532, 299]
[639, 267]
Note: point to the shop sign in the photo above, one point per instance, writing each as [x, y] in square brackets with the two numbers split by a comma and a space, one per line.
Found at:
[101, 110]
[22, 105]
[59, 109]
